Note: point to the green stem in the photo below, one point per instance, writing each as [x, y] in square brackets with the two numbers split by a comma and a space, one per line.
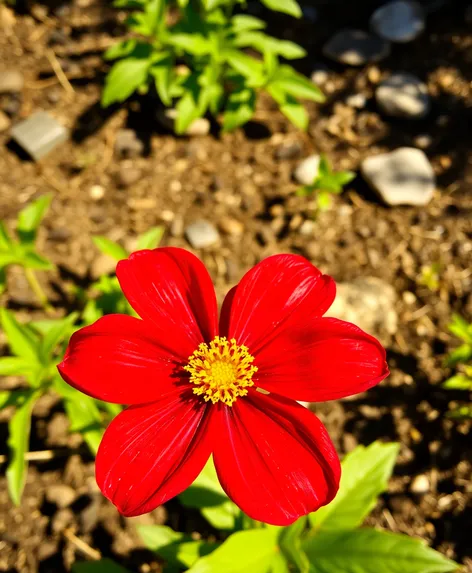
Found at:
[38, 290]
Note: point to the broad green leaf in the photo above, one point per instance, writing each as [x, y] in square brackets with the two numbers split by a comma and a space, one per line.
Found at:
[290, 541]
[461, 354]
[157, 536]
[264, 43]
[14, 366]
[365, 475]
[120, 49]
[21, 339]
[295, 112]
[457, 382]
[372, 551]
[85, 418]
[296, 85]
[247, 66]
[5, 239]
[109, 247]
[102, 566]
[32, 260]
[243, 551]
[289, 7]
[30, 217]
[323, 200]
[246, 23]
[240, 108]
[18, 440]
[11, 398]
[194, 44]
[162, 72]
[56, 334]
[461, 328]
[151, 239]
[223, 516]
[126, 76]
[8, 258]
[279, 564]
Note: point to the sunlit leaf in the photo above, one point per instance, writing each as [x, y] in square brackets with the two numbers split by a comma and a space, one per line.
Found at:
[109, 247]
[289, 7]
[151, 239]
[30, 217]
[21, 339]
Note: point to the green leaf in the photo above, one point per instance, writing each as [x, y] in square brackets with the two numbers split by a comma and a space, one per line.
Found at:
[289, 7]
[30, 218]
[323, 200]
[102, 566]
[62, 328]
[243, 551]
[279, 564]
[3, 280]
[461, 354]
[291, 544]
[84, 417]
[126, 76]
[247, 66]
[365, 474]
[8, 258]
[151, 239]
[372, 551]
[194, 44]
[461, 328]
[295, 112]
[457, 382]
[162, 72]
[14, 366]
[246, 23]
[5, 240]
[18, 440]
[120, 49]
[32, 260]
[240, 108]
[461, 413]
[296, 85]
[109, 247]
[21, 339]
[157, 536]
[264, 43]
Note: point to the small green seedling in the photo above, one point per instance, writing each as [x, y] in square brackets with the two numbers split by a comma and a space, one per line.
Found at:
[430, 276]
[326, 183]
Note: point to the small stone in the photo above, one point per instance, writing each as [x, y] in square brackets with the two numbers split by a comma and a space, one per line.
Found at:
[167, 117]
[201, 234]
[368, 302]
[128, 175]
[399, 21]
[320, 75]
[177, 227]
[167, 216]
[11, 104]
[420, 484]
[307, 228]
[307, 170]
[231, 226]
[39, 134]
[401, 177]
[423, 141]
[97, 192]
[289, 150]
[127, 144]
[356, 48]
[358, 101]
[102, 265]
[62, 520]
[4, 121]
[409, 297]
[61, 495]
[11, 81]
[403, 95]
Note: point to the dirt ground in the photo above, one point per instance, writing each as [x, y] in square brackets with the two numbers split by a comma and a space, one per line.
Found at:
[243, 183]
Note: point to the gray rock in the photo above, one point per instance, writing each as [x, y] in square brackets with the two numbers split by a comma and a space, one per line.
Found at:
[403, 95]
[356, 48]
[201, 234]
[61, 495]
[401, 177]
[367, 302]
[127, 144]
[307, 170]
[11, 81]
[39, 134]
[4, 121]
[167, 117]
[398, 21]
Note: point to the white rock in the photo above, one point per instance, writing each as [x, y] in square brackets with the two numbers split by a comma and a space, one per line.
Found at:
[307, 170]
[201, 234]
[398, 21]
[401, 177]
[97, 192]
[403, 95]
[167, 117]
[357, 101]
[420, 484]
[356, 48]
[320, 75]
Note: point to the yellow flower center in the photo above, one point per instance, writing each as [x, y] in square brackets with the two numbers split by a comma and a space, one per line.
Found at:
[221, 370]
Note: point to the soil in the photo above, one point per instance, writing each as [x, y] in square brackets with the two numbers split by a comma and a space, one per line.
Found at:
[246, 177]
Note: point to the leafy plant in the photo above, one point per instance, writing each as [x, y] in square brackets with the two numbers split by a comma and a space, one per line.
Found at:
[204, 61]
[461, 357]
[22, 250]
[330, 540]
[326, 183]
[430, 275]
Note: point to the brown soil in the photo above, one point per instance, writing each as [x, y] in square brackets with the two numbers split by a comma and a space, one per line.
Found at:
[243, 177]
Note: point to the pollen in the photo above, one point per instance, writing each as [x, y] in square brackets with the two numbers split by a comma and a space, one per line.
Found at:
[221, 370]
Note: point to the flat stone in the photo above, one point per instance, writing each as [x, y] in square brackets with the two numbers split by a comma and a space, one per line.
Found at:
[201, 234]
[4, 121]
[61, 495]
[39, 134]
[356, 48]
[127, 144]
[307, 170]
[166, 117]
[403, 95]
[367, 302]
[11, 81]
[401, 177]
[399, 21]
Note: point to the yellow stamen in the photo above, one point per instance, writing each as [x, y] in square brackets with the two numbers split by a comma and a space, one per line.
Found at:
[221, 370]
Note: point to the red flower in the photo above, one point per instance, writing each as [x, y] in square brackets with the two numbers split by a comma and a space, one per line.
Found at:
[195, 387]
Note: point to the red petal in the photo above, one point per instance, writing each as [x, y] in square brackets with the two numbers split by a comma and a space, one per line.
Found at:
[274, 295]
[171, 288]
[119, 359]
[151, 453]
[324, 359]
[274, 459]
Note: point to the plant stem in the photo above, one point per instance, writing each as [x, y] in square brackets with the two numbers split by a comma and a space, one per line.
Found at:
[38, 290]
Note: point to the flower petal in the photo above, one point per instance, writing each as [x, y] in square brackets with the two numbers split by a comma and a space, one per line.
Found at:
[272, 296]
[274, 459]
[172, 288]
[151, 453]
[323, 359]
[119, 359]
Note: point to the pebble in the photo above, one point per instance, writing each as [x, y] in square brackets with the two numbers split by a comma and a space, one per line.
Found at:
[128, 176]
[39, 134]
[307, 170]
[166, 117]
[399, 21]
[423, 141]
[403, 95]
[11, 104]
[289, 150]
[401, 177]
[368, 302]
[177, 226]
[420, 484]
[357, 101]
[409, 297]
[62, 520]
[61, 495]
[320, 75]
[201, 234]
[11, 81]
[96, 192]
[231, 226]
[307, 228]
[127, 144]
[4, 121]
[356, 48]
